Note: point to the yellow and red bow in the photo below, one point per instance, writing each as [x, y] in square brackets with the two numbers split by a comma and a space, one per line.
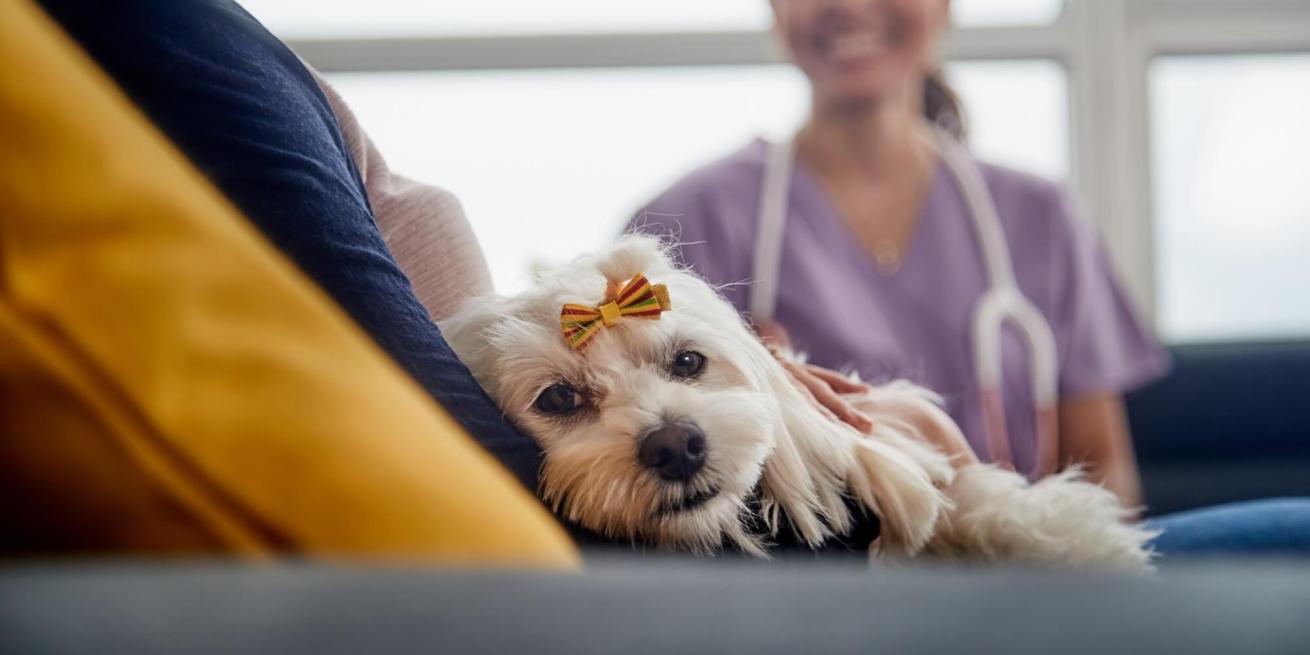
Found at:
[637, 299]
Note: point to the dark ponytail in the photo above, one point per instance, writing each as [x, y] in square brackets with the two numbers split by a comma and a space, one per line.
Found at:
[941, 105]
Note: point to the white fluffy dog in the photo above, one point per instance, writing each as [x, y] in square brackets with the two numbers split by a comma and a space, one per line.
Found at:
[668, 422]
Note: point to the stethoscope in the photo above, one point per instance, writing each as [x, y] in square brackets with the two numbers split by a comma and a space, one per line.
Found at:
[1002, 302]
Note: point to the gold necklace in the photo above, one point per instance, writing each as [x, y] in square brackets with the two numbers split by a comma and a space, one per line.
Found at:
[888, 254]
[889, 251]
[887, 257]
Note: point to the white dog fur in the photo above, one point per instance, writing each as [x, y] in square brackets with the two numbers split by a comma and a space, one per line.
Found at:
[765, 436]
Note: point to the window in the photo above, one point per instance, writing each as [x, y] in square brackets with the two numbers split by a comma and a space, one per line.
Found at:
[1177, 121]
[1232, 195]
[550, 164]
[1017, 111]
[530, 151]
[977, 13]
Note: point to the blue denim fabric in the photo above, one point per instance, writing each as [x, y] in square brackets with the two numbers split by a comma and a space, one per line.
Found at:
[249, 115]
[1279, 526]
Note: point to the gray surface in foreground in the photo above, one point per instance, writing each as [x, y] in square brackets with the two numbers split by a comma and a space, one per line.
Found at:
[650, 607]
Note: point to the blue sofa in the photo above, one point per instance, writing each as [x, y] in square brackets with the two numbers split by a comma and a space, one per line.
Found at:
[1231, 422]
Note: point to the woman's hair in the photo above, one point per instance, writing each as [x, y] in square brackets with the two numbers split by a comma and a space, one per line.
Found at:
[941, 105]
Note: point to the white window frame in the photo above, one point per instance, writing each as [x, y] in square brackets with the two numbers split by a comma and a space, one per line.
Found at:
[1105, 46]
[1110, 103]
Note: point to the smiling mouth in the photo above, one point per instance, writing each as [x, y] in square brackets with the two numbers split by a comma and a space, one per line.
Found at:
[853, 46]
[689, 503]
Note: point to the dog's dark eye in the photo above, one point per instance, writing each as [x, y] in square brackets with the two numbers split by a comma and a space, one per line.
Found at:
[559, 399]
[687, 364]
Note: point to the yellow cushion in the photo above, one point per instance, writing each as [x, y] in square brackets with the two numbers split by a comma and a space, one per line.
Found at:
[170, 383]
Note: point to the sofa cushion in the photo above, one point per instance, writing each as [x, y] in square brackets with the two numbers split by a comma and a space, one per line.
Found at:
[170, 383]
[656, 608]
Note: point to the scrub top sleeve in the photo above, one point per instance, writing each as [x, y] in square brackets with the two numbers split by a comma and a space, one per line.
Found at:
[702, 237]
[1103, 345]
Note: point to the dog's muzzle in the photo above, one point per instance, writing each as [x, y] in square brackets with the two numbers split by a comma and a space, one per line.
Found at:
[675, 450]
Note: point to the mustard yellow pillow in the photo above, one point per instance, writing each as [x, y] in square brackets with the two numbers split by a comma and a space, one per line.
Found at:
[169, 383]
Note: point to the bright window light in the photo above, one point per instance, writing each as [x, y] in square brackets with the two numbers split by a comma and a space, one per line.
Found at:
[550, 164]
[1017, 113]
[1231, 153]
[978, 13]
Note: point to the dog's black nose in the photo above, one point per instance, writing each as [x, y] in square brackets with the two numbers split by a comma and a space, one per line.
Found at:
[675, 450]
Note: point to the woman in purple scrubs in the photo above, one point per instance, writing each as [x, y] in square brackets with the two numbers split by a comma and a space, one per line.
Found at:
[880, 268]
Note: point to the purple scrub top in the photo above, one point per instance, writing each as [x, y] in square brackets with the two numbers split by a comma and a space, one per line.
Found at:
[915, 324]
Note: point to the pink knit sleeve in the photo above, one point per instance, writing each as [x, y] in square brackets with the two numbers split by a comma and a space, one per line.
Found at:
[424, 226]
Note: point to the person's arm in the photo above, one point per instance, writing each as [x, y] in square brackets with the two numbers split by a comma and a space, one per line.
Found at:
[1094, 434]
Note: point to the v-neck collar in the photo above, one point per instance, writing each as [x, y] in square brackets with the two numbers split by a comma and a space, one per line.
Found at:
[806, 185]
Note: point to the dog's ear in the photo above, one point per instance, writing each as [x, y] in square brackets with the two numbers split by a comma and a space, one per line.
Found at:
[634, 254]
[468, 331]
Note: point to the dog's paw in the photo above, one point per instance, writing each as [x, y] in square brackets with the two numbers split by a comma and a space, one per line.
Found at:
[1061, 520]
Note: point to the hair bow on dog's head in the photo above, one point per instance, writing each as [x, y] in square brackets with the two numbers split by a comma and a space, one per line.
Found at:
[636, 299]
